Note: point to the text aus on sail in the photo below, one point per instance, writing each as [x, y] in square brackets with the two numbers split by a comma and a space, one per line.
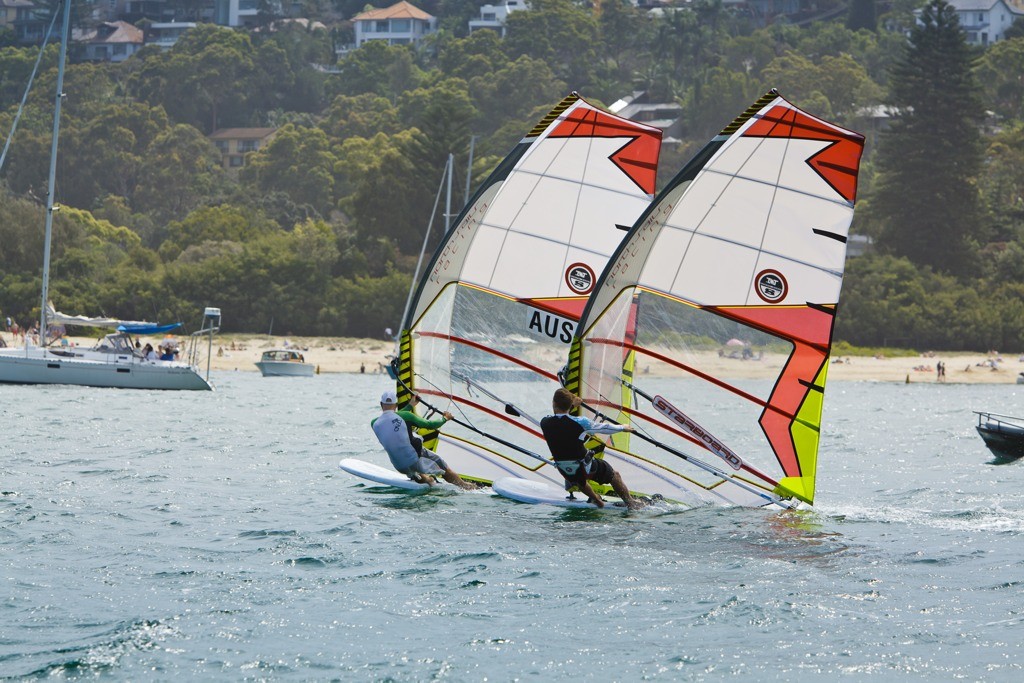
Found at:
[551, 325]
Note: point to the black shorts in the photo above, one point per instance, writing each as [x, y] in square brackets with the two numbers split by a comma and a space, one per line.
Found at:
[600, 471]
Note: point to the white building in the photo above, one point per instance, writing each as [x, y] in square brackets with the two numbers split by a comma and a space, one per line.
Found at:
[235, 12]
[401, 24]
[166, 34]
[493, 16]
[984, 21]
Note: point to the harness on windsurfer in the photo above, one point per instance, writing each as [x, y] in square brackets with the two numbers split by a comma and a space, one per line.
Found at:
[564, 435]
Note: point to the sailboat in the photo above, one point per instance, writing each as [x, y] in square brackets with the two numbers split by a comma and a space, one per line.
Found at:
[114, 361]
[498, 304]
[748, 241]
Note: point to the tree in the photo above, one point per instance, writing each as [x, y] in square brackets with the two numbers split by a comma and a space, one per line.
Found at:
[1001, 71]
[298, 162]
[558, 32]
[183, 171]
[926, 199]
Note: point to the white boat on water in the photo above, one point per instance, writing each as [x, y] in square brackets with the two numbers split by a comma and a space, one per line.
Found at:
[114, 361]
[284, 363]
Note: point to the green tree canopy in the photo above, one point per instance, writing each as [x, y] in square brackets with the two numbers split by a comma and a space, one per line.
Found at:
[927, 197]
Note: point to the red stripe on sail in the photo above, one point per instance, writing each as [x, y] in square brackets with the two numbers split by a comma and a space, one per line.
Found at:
[565, 307]
[638, 158]
[837, 163]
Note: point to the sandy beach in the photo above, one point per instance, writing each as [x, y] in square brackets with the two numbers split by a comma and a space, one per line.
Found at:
[239, 352]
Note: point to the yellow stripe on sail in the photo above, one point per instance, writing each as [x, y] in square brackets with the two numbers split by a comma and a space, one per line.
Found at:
[806, 431]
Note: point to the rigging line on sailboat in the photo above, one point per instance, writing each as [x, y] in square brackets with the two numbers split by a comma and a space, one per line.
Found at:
[510, 407]
[423, 249]
[468, 424]
[770, 497]
[28, 87]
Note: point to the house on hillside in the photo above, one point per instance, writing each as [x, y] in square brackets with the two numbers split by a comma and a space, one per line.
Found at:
[166, 33]
[400, 24]
[110, 41]
[638, 106]
[493, 17]
[984, 21]
[24, 18]
[235, 143]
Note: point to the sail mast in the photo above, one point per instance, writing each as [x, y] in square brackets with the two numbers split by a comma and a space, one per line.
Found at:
[65, 31]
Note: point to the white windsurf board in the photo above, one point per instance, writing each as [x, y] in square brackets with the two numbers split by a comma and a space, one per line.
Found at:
[539, 493]
[380, 475]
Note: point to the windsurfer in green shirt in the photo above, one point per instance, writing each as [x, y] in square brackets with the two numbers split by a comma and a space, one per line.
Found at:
[408, 456]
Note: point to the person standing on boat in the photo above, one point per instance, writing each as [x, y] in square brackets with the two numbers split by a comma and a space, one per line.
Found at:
[564, 434]
[393, 429]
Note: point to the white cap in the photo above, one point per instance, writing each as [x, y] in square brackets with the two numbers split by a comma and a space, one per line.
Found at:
[388, 398]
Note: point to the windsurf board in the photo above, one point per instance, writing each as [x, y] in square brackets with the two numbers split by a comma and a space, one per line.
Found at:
[539, 493]
[380, 475]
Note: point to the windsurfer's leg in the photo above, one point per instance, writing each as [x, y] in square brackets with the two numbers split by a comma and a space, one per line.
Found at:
[623, 492]
[591, 494]
[450, 475]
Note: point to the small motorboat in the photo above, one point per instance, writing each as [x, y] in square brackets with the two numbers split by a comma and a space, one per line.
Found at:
[1003, 434]
[284, 363]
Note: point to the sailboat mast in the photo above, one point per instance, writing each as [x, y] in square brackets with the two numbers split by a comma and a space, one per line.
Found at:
[65, 32]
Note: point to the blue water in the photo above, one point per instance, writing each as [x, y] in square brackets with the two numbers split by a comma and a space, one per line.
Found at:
[176, 536]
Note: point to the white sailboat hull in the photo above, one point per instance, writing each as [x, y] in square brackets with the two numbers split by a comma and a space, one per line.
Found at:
[41, 366]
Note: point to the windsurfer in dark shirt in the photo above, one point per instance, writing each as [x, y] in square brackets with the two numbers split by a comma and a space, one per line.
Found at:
[577, 465]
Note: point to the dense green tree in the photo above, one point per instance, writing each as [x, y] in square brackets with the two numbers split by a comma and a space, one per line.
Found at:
[298, 161]
[204, 80]
[362, 115]
[107, 154]
[216, 224]
[1001, 72]
[514, 92]
[840, 81]
[559, 32]
[476, 56]
[183, 172]
[1002, 183]
[926, 199]
[387, 70]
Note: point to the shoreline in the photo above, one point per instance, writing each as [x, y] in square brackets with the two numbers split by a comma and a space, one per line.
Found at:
[331, 355]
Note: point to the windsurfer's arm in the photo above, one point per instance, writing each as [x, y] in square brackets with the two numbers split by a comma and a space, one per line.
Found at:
[601, 427]
[417, 421]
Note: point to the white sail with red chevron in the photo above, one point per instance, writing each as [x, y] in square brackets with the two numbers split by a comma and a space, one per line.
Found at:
[493, 316]
[747, 242]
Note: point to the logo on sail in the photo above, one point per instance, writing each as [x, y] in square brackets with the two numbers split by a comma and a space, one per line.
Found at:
[771, 286]
[580, 278]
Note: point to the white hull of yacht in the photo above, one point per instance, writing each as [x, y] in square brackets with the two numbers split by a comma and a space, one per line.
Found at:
[42, 366]
[285, 369]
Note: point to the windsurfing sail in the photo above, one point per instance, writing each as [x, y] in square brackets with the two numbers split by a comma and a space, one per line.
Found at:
[493, 315]
[747, 243]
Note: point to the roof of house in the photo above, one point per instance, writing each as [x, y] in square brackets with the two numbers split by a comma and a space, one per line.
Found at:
[241, 133]
[109, 32]
[402, 10]
[17, 3]
[973, 5]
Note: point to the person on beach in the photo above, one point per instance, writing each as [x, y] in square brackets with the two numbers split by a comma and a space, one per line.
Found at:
[578, 466]
[393, 429]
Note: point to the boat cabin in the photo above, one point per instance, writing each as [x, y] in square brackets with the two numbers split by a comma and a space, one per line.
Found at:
[286, 355]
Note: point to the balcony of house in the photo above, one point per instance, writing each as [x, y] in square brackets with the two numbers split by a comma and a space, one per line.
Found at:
[166, 34]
